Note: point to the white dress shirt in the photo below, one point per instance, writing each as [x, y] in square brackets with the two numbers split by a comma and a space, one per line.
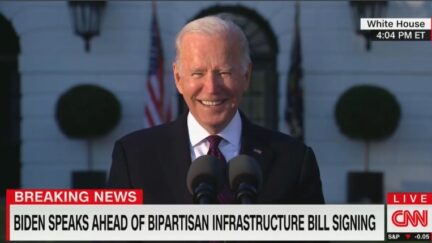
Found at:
[229, 146]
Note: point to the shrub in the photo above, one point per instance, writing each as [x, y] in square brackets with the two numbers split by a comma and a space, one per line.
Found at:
[367, 112]
[87, 111]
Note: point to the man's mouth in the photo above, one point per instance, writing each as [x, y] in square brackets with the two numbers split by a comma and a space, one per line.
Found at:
[211, 102]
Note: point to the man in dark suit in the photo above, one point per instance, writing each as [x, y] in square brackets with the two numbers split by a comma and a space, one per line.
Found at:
[212, 70]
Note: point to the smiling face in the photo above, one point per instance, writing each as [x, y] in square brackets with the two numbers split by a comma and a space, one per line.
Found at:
[210, 75]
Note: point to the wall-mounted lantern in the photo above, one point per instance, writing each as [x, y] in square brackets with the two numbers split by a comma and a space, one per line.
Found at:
[366, 9]
[87, 18]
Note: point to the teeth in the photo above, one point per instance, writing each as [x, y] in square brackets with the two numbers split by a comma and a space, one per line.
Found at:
[211, 102]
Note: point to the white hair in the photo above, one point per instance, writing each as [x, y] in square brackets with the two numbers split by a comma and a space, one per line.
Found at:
[215, 26]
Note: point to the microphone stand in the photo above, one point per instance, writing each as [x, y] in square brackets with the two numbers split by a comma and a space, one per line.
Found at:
[246, 194]
[204, 194]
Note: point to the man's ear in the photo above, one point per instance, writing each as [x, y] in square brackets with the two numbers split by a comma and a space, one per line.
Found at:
[247, 76]
[176, 73]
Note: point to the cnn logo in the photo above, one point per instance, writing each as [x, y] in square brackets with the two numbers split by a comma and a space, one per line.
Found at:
[402, 218]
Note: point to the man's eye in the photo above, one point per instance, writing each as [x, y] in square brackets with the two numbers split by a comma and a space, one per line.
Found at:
[197, 75]
[225, 73]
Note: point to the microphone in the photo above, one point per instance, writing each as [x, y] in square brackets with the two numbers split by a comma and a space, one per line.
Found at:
[245, 178]
[205, 178]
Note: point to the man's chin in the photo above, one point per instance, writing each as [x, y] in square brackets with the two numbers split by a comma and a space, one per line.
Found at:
[218, 124]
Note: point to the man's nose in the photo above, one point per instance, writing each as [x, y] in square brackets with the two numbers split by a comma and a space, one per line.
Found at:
[213, 82]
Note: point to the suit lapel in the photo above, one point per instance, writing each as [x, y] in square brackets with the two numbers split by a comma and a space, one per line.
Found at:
[253, 145]
[177, 160]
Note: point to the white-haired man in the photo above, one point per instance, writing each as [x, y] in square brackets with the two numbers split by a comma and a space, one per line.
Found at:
[212, 71]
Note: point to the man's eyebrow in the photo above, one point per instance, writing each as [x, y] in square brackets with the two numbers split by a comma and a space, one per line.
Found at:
[226, 69]
[198, 69]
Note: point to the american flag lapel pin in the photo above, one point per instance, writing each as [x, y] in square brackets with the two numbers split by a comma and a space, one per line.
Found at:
[258, 151]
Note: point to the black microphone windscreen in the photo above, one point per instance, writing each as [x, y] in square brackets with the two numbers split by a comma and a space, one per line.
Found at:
[205, 169]
[244, 169]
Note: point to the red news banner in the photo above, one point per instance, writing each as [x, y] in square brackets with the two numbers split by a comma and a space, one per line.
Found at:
[29, 197]
[409, 216]
[93, 215]
[66, 196]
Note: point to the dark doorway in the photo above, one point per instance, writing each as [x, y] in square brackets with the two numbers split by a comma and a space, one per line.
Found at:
[10, 118]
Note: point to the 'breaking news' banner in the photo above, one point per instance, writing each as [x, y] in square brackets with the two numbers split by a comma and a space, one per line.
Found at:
[65, 215]
[397, 29]
[78, 215]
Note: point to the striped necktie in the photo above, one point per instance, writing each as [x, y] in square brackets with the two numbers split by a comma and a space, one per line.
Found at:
[225, 196]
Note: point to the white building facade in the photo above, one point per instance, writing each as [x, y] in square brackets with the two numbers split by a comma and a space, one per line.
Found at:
[52, 59]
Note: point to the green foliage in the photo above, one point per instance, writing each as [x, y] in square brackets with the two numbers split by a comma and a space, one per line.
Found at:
[367, 112]
[87, 111]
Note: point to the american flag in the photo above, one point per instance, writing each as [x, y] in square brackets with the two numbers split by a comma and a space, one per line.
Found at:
[294, 107]
[157, 109]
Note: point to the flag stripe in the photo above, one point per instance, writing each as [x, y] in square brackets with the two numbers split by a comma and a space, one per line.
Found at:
[157, 109]
[150, 121]
[156, 101]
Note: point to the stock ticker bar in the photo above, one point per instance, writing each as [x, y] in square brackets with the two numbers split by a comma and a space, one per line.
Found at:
[397, 29]
[408, 236]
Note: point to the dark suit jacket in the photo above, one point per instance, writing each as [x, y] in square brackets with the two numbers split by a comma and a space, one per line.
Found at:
[157, 160]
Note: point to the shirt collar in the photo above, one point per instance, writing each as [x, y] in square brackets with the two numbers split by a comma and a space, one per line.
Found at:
[231, 133]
